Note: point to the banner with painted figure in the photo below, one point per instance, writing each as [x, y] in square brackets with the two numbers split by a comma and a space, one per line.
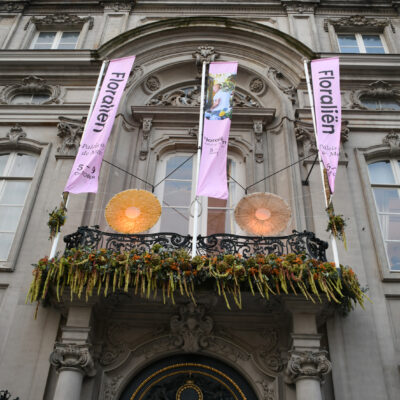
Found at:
[217, 123]
[328, 112]
[85, 171]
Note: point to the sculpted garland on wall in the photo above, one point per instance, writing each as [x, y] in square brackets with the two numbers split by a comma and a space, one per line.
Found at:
[379, 90]
[357, 22]
[70, 131]
[60, 20]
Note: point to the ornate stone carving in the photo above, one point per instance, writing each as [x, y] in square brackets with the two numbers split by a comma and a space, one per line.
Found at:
[269, 353]
[283, 84]
[268, 391]
[146, 128]
[111, 387]
[356, 22]
[191, 329]
[13, 6]
[124, 5]
[257, 85]
[153, 83]
[258, 131]
[60, 20]
[135, 74]
[70, 131]
[376, 90]
[15, 134]
[297, 7]
[73, 356]
[307, 364]
[205, 53]
[31, 85]
[190, 97]
[393, 140]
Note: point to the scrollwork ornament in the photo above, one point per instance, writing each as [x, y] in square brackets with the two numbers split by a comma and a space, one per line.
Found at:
[357, 22]
[393, 140]
[16, 133]
[307, 364]
[73, 356]
[60, 20]
[205, 54]
[70, 131]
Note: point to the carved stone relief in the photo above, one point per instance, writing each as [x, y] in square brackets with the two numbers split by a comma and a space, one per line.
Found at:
[73, 356]
[258, 128]
[122, 5]
[307, 364]
[32, 85]
[356, 22]
[146, 128]
[393, 140]
[190, 97]
[258, 86]
[15, 134]
[111, 387]
[135, 74]
[13, 6]
[376, 90]
[153, 83]
[283, 84]
[60, 20]
[296, 7]
[205, 54]
[70, 131]
[268, 353]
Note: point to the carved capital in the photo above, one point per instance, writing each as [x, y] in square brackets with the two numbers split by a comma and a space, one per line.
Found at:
[70, 131]
[355, 22]
[307, 365]
[73, 356]
[59, 21]
[16, 133]
[205, 54]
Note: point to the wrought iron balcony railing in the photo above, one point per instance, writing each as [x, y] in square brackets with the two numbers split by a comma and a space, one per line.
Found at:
[298, 242]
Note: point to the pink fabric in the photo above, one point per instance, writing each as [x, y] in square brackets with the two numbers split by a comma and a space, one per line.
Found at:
[85, 171]
[328, 112]
[212, 174]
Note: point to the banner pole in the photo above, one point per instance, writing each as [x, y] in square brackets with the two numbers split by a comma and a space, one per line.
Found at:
[199, 144]
[66, 194]
[321, 167]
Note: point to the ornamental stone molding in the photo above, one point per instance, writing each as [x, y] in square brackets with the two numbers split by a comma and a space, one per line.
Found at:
[258, 128]
[70, 131]
[307, 365]
[257, 85]
[136, 73]
[356, 22]
[205, 54]
[32, 85]
[377, 90]
[393, 140]
[299, 7]
[13, 6]
[283, 84]
[146, 129]
[15, 134]
[59, 21]
[153, 83]
[122, 6]
[76, 357]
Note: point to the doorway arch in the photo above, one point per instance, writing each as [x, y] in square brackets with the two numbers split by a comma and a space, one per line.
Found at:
[188, 377]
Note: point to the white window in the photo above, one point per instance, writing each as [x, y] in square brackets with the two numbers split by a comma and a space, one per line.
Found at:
[385, 181]
[361, 43]
[16, 172]
[55, 40]
[177, 193]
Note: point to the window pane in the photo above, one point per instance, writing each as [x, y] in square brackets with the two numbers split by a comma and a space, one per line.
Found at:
[375, 50]
[387, 200]
[393, 252]
[372, 104]
[184, 172]
[24, 165]
[46, 37]
[349, 50]
[14, 193]
[68, 40]
[390, 104]
[393, 227]
[175, 220]
[5, 244]
[39, 98]
[9, 218]
[3, 162]
[372, 40]
[381, 172]
[347, 40]
[177, 193]
[22, 99]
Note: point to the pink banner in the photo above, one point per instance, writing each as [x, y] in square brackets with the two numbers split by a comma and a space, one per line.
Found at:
[217, 123]
[84, 176]
[328, 112]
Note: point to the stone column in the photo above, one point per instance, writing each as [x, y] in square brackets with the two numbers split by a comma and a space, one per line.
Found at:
[72, 355]
[307, 364]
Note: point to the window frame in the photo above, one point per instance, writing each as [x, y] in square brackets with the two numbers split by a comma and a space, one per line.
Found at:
[365, 156]
[360, 41]
[42, 151]
[56, 40]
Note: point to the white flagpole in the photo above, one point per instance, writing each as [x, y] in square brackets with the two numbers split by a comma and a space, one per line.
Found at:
[321, 167]
[199, 144]
[66, 198]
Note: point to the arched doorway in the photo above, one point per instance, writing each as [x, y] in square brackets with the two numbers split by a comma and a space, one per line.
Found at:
[188, 377]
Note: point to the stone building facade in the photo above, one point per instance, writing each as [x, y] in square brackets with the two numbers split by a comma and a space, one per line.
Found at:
[287, 348]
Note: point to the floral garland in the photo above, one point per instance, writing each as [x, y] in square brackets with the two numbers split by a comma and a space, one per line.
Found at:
[336, 225]
[56, 220]
[87, 271]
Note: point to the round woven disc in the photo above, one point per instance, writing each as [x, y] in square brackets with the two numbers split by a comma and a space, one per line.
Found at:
[145, 202]
[278, 211]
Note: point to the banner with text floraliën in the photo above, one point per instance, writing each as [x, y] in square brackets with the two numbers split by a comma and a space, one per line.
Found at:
[85, 171]
[328, 112]
[217, 123]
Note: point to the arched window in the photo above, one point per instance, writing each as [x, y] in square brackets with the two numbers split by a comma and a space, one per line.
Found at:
[177, 193]
[30, 98]
[16, 172]
[380, 104]
[385, 181]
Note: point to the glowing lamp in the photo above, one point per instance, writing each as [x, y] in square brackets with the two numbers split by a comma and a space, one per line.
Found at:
[263, 214]
[133, 211]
